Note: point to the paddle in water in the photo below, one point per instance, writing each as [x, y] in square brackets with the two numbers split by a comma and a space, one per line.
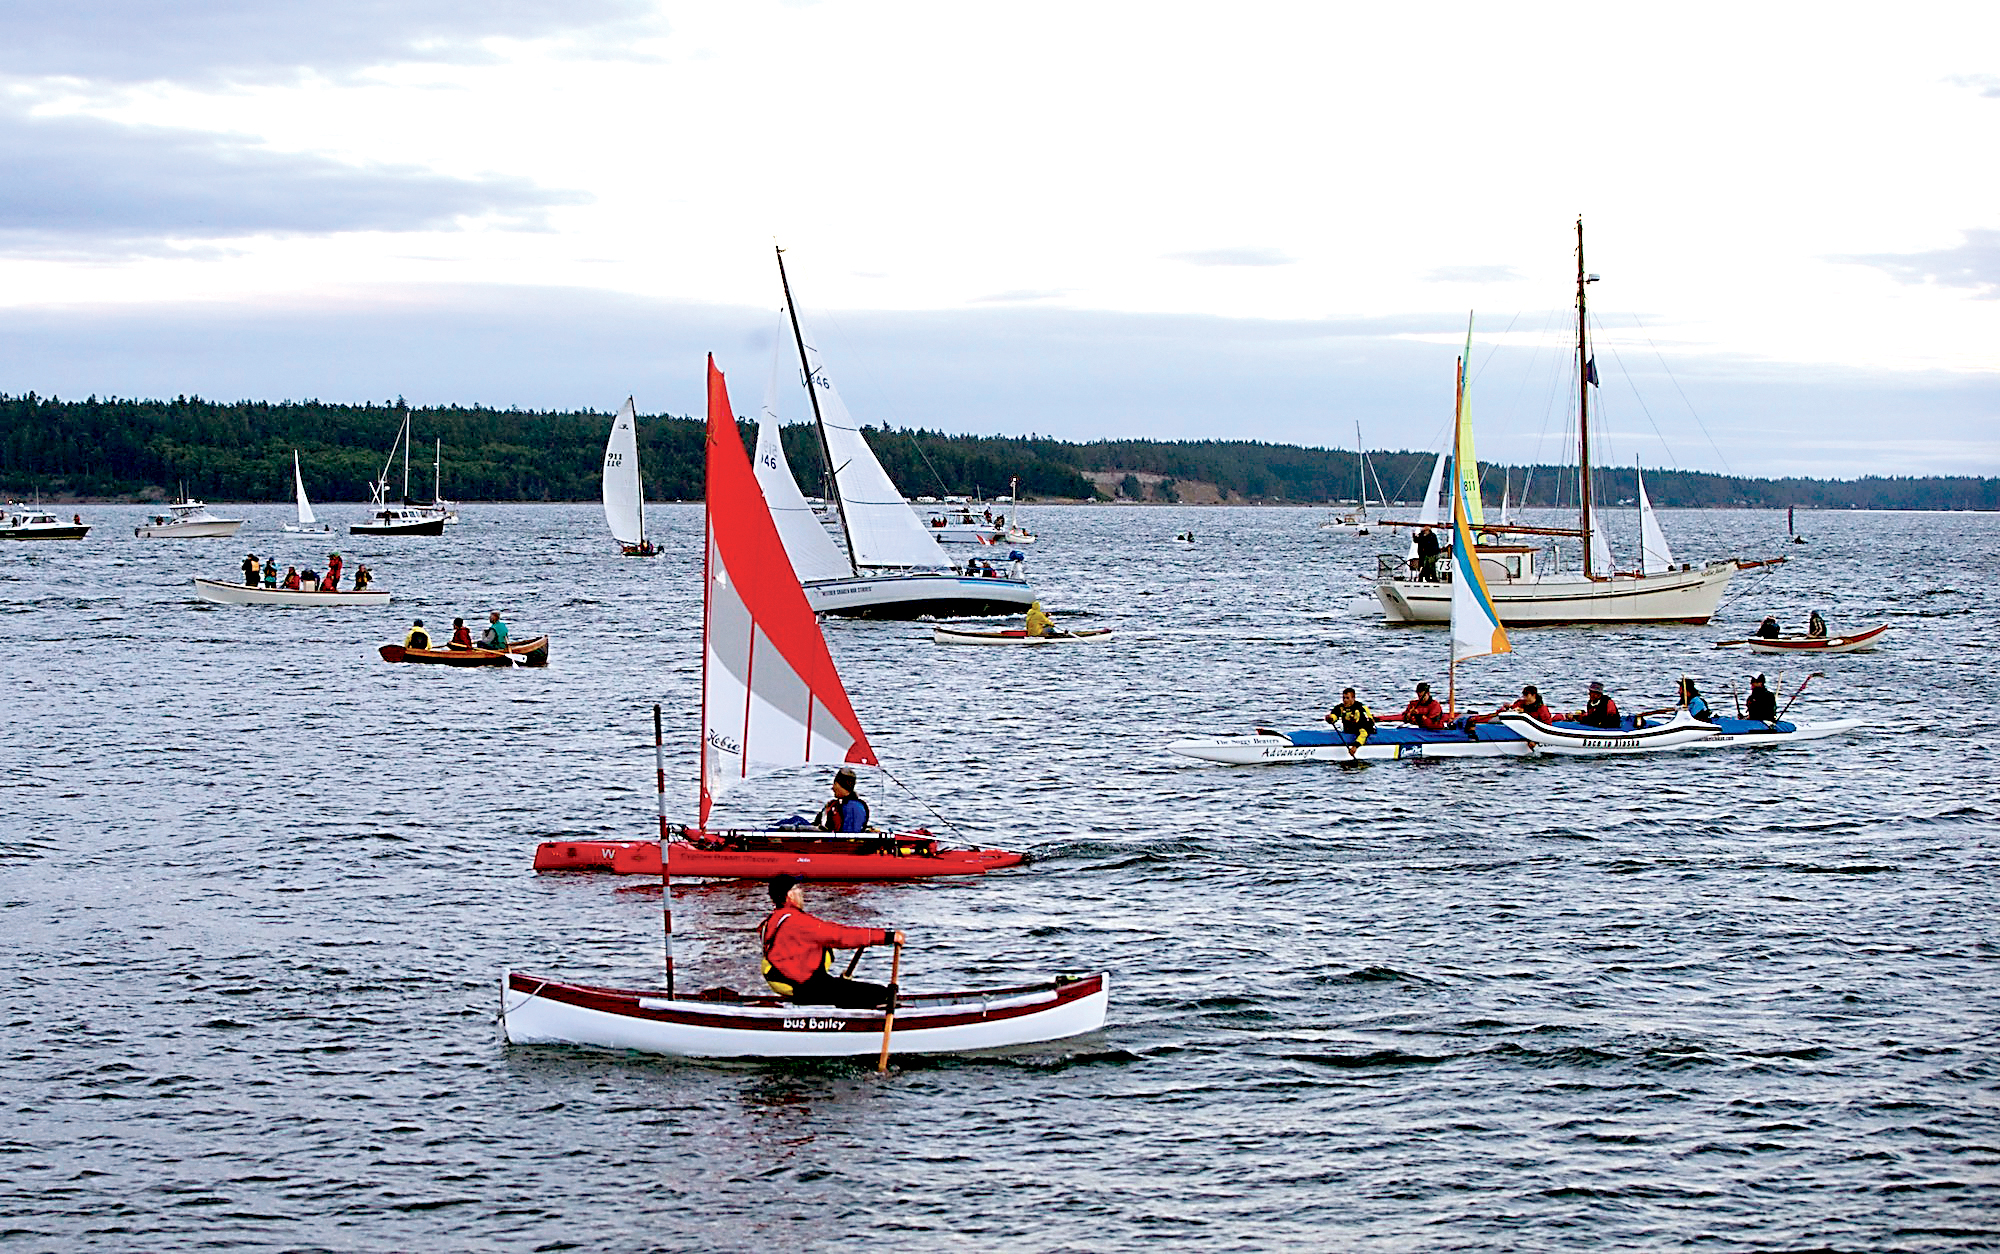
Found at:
[889, 1019]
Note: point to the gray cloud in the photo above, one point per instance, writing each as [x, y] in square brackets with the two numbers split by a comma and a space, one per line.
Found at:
[84, 185]
[1234, 257]
[1475, 274]
[1975, 264]
[130, 41]
[1014, 369]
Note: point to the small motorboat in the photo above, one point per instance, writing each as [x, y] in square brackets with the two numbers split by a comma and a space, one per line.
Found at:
[1683, 731]
[533, 651]
[719, 1024]
[24, 523]
[1851, 642]
[189, 519]
[763, 854]
[222, 592]
[1015, 635]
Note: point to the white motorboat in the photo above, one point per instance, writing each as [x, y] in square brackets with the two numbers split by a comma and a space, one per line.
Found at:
[1530, 593]
[222, 592]
[406, 519]
[189, 519]
[23, 522]
[308, 524]
[771, 696]
[891, 566]
[624, 489]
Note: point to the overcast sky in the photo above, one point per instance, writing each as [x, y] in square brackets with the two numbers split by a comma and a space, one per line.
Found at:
[1085, 220]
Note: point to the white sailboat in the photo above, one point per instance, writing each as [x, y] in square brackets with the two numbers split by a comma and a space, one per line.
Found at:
[1356, 522]
[307, 524]
[624, 490]
[770, 695]
[892, 566]
[1527, 595]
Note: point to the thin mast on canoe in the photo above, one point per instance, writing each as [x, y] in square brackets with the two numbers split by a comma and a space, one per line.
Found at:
[819, 422]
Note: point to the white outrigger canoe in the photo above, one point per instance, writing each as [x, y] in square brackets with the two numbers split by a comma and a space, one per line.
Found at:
[536, 1011]
[1683, 731]
[1016, 635]
[221, 592]
[1328, 744]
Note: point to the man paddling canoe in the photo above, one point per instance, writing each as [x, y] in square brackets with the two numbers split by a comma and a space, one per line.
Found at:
[798, 953]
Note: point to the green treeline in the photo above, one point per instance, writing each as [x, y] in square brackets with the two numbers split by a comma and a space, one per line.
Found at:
[148, 450]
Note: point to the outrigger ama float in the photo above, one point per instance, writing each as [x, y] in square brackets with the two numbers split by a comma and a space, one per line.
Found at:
[534, 1011]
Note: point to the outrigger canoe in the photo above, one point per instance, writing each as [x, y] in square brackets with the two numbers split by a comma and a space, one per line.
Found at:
[1851, 642]
[534, 651]
[761, 855]
[221, 592]
[1329, 744]
[1683, 731]
[959, 635]
[536, 1011]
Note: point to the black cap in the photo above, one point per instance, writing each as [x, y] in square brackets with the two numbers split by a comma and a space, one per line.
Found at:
[418, 623]
[1756, 679]
[782, 886]
[845, 778]
[1423, 687]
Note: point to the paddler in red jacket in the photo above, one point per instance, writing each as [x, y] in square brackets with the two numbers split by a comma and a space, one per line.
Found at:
[1424, 713]
[798, 953]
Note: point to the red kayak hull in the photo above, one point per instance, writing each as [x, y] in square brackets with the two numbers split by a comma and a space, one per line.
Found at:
[797, 856]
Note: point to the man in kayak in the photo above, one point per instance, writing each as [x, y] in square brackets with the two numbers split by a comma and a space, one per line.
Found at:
[847, 812]
[798, 952]
[1039, 623]
[417, 638]
[1599, 710]
[1424, 713]
[1352, 717]
[1762, 703]
[495, 635]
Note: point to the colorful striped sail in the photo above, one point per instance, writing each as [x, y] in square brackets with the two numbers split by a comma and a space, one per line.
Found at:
[1465, 463]
[1475, 624]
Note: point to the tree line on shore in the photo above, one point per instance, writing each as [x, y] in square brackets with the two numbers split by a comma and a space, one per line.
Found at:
[116, 449]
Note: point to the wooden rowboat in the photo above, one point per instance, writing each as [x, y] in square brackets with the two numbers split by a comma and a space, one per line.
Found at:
[1851, 642]
[534, 651]
[959, 635]
[222, 592]
[536, 1011]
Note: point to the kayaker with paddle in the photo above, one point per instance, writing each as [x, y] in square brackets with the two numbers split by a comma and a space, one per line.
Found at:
[1761, 703]
[1352, 717]
[847, 812]
[798, 952]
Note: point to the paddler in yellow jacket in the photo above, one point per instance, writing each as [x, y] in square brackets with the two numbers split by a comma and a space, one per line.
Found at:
[1039, 623]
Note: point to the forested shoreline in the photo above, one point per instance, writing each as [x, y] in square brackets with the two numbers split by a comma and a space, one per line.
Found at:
[149, 450]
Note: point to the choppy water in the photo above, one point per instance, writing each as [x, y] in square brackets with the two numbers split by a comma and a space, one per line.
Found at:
[259, 886]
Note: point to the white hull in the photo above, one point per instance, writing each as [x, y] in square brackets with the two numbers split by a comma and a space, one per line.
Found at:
[1677, 596]
[1852, 642]
[1683, 732]
[1261, 750]
[922, 595]
[936, 1024]
[220, 592]
[317, 529]
[1016, 636]
[189, 530]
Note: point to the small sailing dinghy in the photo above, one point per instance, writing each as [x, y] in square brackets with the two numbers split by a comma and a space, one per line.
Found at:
[754, 615]
[1015, 635]
[624, 490]
[307, 524]
[771, 698]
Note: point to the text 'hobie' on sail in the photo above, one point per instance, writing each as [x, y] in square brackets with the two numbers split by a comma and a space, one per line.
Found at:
[892, 567]
[770, 698]
[624, 489]
[1525, 594]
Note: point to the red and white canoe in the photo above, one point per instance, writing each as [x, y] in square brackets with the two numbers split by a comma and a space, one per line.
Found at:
[1851, 642]
[537, 1011]
[761, 855]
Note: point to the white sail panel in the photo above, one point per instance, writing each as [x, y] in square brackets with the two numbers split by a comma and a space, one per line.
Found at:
[1654, 555]
[306, 518]
[1600, 545]
[623, 509]
[806, 542]
[882, 529]
[1428, 515]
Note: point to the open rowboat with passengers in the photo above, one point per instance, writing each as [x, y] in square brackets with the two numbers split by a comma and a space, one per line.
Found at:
[533, 651]
[1848, 642]
[222, 592]
[757, 614]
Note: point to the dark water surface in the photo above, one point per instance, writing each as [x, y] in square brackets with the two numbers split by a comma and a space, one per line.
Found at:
[259, 888]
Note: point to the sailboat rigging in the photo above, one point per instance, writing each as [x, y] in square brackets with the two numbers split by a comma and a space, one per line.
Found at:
[397, 520]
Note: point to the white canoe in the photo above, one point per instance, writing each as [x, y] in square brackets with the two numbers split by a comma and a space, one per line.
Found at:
[223, 593]
[535, 1011]
[1681, 732]
[1852, 642]
[1015, 635]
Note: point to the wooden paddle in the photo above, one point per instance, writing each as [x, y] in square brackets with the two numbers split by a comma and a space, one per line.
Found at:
[889, 1020]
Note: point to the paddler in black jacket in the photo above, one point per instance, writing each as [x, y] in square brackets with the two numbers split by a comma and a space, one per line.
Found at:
[1762, 703]
[1353, 718]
